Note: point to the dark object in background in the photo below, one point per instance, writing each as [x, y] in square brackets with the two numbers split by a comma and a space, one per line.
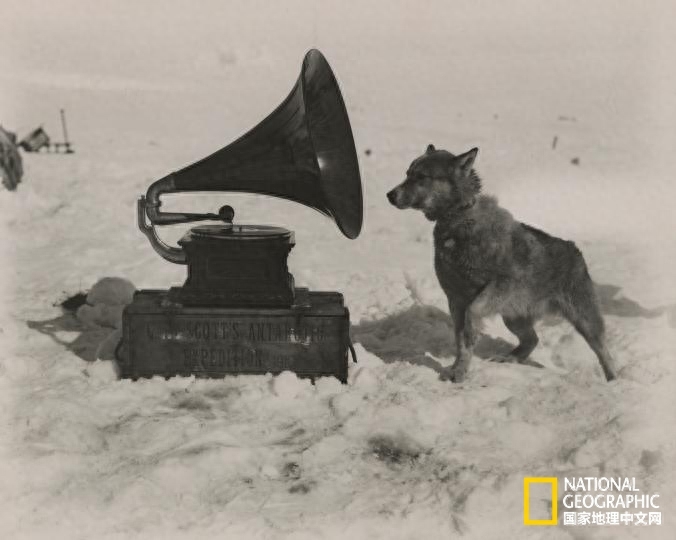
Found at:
[11, 165]
[38, 139]
[238, 311]
[66, 143]
[575, 161]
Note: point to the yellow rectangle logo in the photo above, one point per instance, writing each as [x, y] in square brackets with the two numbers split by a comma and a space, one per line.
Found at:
[527, 481]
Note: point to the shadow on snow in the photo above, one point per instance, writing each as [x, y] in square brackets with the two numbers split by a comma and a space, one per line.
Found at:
[404, 336]
[408, 335]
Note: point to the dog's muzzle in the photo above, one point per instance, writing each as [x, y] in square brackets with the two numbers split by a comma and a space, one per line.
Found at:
[398, 197]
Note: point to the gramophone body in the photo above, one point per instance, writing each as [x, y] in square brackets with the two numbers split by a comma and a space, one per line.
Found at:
[243, 266]
[239, 310]
[162, 338]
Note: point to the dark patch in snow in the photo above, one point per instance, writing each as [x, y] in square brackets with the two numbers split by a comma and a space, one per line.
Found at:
[193, 403]
[650, 459]
[302, 487]
[292, 470]
[295, 437]
[394, 451]
[123, 422]
[222, 392]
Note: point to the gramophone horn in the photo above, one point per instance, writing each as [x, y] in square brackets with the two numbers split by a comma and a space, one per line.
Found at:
[303, 151]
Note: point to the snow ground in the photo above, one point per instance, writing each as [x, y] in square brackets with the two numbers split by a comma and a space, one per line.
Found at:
[396, 453]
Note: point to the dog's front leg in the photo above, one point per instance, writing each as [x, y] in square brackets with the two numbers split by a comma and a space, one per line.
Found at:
[464, 342]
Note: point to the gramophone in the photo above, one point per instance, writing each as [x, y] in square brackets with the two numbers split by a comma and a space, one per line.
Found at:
[239, 310]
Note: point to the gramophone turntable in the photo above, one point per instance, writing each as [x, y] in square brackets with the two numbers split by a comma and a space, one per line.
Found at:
[239, 310]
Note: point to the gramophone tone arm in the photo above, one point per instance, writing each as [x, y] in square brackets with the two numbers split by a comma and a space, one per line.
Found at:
[152, 204]
[172, 254]
[173, 218]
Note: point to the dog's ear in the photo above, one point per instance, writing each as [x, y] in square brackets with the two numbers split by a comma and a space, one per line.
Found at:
[465, 161]
[430, 149]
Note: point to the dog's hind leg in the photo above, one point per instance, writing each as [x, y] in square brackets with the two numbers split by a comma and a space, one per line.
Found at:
[584, 314]
[522, 328]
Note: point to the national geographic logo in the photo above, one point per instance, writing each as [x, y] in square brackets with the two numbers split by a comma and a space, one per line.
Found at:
[553, 482]
[589, 501]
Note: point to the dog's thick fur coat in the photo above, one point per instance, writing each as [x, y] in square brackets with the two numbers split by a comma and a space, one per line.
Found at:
[488, 263]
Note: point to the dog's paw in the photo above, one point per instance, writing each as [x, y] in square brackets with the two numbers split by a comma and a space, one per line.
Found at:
[454, 374]
[446, 375]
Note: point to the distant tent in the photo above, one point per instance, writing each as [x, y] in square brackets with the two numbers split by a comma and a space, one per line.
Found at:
[35, 140]
[11, 166]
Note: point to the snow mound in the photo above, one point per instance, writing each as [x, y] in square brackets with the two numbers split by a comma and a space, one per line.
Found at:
[111, 291]
[287, 385]
[101, 315]
[105, 302]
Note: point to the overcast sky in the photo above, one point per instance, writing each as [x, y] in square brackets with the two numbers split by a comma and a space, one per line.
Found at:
[609, 58]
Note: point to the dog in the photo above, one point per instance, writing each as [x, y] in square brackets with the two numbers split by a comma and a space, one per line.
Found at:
[488, 263]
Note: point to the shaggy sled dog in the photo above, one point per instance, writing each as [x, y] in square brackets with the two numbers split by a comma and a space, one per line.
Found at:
[488, 263]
